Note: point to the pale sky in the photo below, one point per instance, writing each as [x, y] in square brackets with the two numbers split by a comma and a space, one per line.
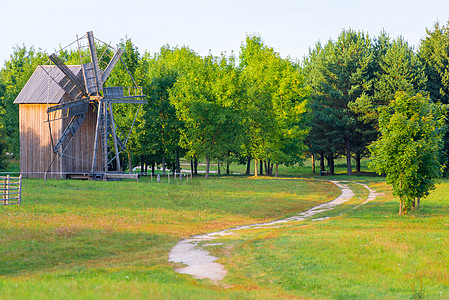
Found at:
[290, 27]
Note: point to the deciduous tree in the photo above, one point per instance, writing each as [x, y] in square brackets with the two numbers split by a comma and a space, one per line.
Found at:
[409, 149]
[13, 77]
[206, 99]
[276, 103]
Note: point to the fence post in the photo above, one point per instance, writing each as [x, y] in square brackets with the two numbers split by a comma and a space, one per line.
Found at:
[7, 189]
[20, 189]
[4, 191]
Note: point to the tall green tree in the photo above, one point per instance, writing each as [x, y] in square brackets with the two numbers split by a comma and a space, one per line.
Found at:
[399, 70]
[409, 149]
[3, 145]
[161, 127]
[13, 77]
[434, 53]
[206, 99]
[341, 74]
[276, 102]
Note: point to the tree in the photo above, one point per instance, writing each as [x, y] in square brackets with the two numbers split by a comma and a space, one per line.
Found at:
[161, 128]
[409, 149]
[434, 53]
[397, 68]
[276, 103]
[340, 74]
[2, 147]
[13, 77]
[206, 99]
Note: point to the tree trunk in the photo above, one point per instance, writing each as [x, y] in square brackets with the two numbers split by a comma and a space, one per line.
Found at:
[178, 165]
[218, 167]
[276, 171]
[146, 169]
[195, 164]
[330, 159]
[191, 166]
[255, 167]
[322, 162]
[130, 165]
[357, 161]
[248, 166]
[142, 165]
[313, 164]
[227, 169]
[348, 158]
[163, 165]
[153, 164]
[400, 206]
[207, 166]
[418, 202]
[265, 166]
[261, 167]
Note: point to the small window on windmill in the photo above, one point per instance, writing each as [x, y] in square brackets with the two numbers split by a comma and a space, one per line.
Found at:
[113, 92]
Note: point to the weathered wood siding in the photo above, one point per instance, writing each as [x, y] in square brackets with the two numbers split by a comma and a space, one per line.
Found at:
[36, 152]
[35, 143]
[82, 146]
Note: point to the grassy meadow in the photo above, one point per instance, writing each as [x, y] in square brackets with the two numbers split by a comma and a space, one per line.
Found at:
[95, 240]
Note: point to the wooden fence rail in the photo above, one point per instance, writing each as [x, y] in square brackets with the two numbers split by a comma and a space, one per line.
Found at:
[10, 190]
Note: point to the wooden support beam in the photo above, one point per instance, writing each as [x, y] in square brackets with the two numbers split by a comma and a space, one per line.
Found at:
[111, 65]
[114, 137]
[97, 131]
[94, 58]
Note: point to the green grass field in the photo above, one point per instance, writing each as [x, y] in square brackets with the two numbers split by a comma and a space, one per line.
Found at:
[96, 240]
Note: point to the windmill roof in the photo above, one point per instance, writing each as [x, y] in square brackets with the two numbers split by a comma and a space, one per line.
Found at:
[42, 87]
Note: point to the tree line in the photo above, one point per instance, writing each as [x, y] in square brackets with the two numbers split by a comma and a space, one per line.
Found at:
[345, 98]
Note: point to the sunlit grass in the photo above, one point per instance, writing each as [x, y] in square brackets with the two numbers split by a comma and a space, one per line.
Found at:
[96, 240]
[87, 239]
[368, 252]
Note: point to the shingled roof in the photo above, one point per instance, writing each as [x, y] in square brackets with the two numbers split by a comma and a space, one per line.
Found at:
[42, 87]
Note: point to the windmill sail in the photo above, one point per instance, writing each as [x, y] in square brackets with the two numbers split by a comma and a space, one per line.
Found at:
[72, 77]
[70, 130]
[111, 65]
[92, 71]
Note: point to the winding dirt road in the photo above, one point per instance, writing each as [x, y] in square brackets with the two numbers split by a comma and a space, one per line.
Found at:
[201, 264]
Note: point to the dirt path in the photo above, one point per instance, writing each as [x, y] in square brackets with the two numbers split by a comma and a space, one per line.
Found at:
[201, 264]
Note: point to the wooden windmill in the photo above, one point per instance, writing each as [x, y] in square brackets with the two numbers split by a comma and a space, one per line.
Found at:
[85, 92]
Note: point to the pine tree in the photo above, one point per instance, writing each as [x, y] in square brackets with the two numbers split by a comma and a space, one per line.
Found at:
[434, 53]
[340, 74]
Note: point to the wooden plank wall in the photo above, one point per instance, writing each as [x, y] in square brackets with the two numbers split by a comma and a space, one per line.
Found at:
[82, 146]
[36, 151]
[35, 143]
